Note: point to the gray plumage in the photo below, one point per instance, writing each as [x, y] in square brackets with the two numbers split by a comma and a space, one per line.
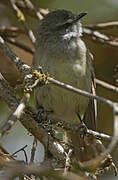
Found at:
[61, 52]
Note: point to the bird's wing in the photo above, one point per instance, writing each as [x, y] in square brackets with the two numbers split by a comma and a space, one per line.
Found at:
[91, 112]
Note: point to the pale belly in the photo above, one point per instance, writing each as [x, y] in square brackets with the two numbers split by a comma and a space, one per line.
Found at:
[65, 104]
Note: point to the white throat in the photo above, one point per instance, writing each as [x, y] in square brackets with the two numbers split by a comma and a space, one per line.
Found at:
[74, 32]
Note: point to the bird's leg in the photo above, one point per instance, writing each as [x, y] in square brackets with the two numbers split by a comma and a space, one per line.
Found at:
[82, 127]
[42, 118]
[41, 114]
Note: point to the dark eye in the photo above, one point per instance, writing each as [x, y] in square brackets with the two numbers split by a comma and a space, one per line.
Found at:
[65, 24]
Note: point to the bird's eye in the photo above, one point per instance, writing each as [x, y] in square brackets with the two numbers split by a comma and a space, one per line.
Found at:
[65, 24]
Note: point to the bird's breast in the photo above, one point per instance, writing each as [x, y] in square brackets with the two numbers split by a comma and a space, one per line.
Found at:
[70, 70]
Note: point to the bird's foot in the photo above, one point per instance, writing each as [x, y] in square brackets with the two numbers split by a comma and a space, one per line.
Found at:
[82, 128]
[43, 119]
[42, 115]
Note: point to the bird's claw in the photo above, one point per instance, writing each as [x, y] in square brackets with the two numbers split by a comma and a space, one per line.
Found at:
[82, 128]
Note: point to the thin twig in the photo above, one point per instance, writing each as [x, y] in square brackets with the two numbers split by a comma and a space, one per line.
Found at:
[22, 67]
[14, 116]
[103, 26]
[15, 168]
[106, 85]
[27, 119]
[21, 17]
[22, 149]
[30, 6]
[111, 147]
[79, 91]
[99, 135]
[33, 149]
[10, 31]
[72, 127]
[96, 36]
[20, 45]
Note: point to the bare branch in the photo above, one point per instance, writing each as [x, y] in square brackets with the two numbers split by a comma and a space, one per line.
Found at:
[106, 85]
[10, 31]
[33, 149]
[69, 126]
[28, 4]
[27, 119]
[99, 37]
[103, 26]
[44, 169]
[22, 149]
[111, 146]
[20, 45]
[16, 168]
[99, 135]
[79, 91]
[22, 67]
[28, 8]
[15, 116]
[21, 17]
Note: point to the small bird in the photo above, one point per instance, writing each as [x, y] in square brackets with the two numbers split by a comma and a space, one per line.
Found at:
[63, 54]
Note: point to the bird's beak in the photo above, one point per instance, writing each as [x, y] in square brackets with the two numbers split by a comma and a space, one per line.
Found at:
[79, 16]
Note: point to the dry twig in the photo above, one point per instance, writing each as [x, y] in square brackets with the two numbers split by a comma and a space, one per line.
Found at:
[106, 85]
[21, 17]
[22, 149]
[103, 26]
[15, 115]
[33, 149]
[98, 37]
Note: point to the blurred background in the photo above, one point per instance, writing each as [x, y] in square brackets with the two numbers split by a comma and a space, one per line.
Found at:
[105, 59]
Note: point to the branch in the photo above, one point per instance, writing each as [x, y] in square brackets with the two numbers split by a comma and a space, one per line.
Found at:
[12, 119]
[13, 168]
[20, 45]
[106, 85]
[96, 36]
[72, 127]
[22, 67]
[27, 119]
[16, 168]
[29, 6]
[21, 17]
[103, 26]
[11, 31]
[79, 91]
[22, 149]
[34, 146]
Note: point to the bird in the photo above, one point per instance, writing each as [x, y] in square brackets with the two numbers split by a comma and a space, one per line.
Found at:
[62, 53]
